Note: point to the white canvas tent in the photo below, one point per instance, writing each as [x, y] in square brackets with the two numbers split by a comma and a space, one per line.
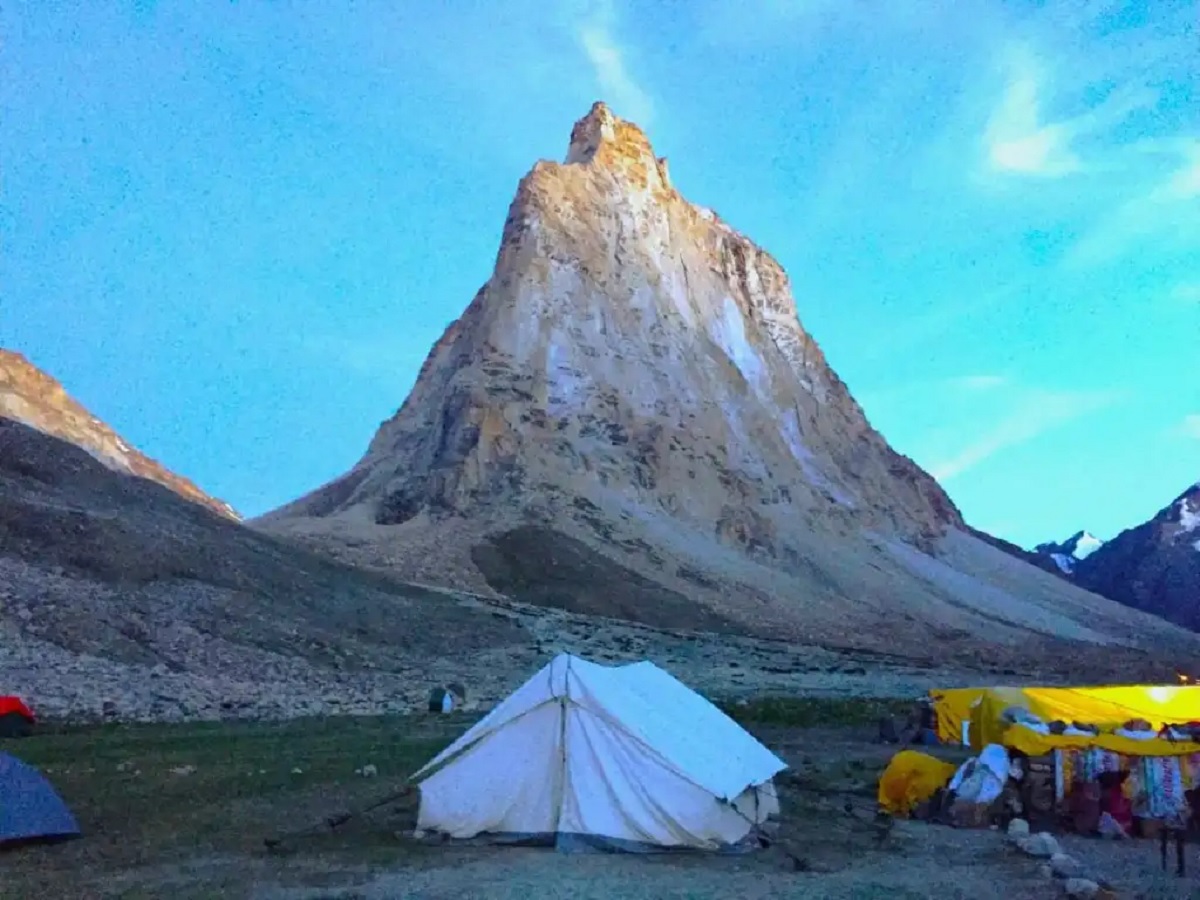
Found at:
[584, 755]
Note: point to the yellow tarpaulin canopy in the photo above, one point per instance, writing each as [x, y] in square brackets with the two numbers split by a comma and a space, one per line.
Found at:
[953, 708]
[1107, 708]
[955, 705]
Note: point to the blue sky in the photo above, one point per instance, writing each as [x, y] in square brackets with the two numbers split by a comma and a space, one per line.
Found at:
[233, 231]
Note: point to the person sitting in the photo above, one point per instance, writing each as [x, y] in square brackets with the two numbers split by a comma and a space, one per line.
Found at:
[1114, 803]
[921, 727]
[1083, 803]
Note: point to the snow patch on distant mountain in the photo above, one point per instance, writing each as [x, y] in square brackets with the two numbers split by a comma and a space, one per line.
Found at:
[1154, 566]
[1189, 516]
[1065, 563]
[1068, 553]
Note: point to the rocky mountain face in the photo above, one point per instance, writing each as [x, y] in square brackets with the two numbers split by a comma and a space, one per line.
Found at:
[629, 418]
[30, 396]
[1066, 554]
[121, 600]
[119, 597]
[1154, 567]
[627, 447]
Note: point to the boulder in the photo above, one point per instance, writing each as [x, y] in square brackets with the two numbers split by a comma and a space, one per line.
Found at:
[1018, 828]
[1081, 888]
[1041, 845]
[1065, 866]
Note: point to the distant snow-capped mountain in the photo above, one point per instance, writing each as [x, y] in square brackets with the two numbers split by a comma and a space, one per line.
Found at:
[1066, 554]
[1154, 567]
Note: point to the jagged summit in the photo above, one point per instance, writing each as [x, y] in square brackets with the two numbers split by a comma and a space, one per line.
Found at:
[1066, 554]
[646, 352]
[30, 396]
[633, 382]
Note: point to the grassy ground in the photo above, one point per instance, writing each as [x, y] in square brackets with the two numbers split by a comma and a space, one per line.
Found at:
[182, 812]
[815, 712]
[164, 796]
[146, 794]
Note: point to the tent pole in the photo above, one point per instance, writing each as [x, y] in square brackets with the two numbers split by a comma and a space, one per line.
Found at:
[336, 821]
[562, 750]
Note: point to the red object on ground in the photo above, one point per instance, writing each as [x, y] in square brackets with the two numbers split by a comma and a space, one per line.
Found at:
[15, 705]
[1120, 807]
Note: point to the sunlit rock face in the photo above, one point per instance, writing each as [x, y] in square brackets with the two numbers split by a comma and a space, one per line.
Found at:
[629, 418]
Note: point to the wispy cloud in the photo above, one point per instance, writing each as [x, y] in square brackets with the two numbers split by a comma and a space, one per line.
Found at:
[1100, 105]
[1190, 426]
[1019, 140]
[926, 327]
[597, 35]
[958, 388]
[1167, 213]
[1186, 294]
[979, 382]
[1185, 183]
[1035, 414]
[1023, 138]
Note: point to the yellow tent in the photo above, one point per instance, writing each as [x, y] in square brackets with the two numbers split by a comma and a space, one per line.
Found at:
[1107, 708]
[911, 778]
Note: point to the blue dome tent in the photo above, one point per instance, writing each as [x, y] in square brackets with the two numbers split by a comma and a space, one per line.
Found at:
[30, 809]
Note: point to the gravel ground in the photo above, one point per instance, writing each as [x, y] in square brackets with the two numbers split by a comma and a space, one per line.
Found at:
[920, 861]
[923, 861]
[928, 862]
[1134, 867]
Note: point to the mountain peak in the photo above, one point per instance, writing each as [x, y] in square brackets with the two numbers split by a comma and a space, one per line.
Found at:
[1084, 543]
[1074, 549]
[632, 389]
[604, 139]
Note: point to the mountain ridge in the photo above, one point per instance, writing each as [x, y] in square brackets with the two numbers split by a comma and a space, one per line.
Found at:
[121, 600]
[1154, 566]
[33, 397]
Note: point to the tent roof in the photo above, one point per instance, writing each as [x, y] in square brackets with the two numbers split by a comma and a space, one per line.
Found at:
[29, 807]
[686, 731]
[10, 704]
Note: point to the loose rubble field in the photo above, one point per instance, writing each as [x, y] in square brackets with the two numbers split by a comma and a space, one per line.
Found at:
[182, 811]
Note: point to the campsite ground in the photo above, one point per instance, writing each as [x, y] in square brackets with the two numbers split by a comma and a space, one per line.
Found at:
[182, 811]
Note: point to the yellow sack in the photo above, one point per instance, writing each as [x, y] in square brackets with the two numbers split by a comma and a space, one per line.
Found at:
[911, 778]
